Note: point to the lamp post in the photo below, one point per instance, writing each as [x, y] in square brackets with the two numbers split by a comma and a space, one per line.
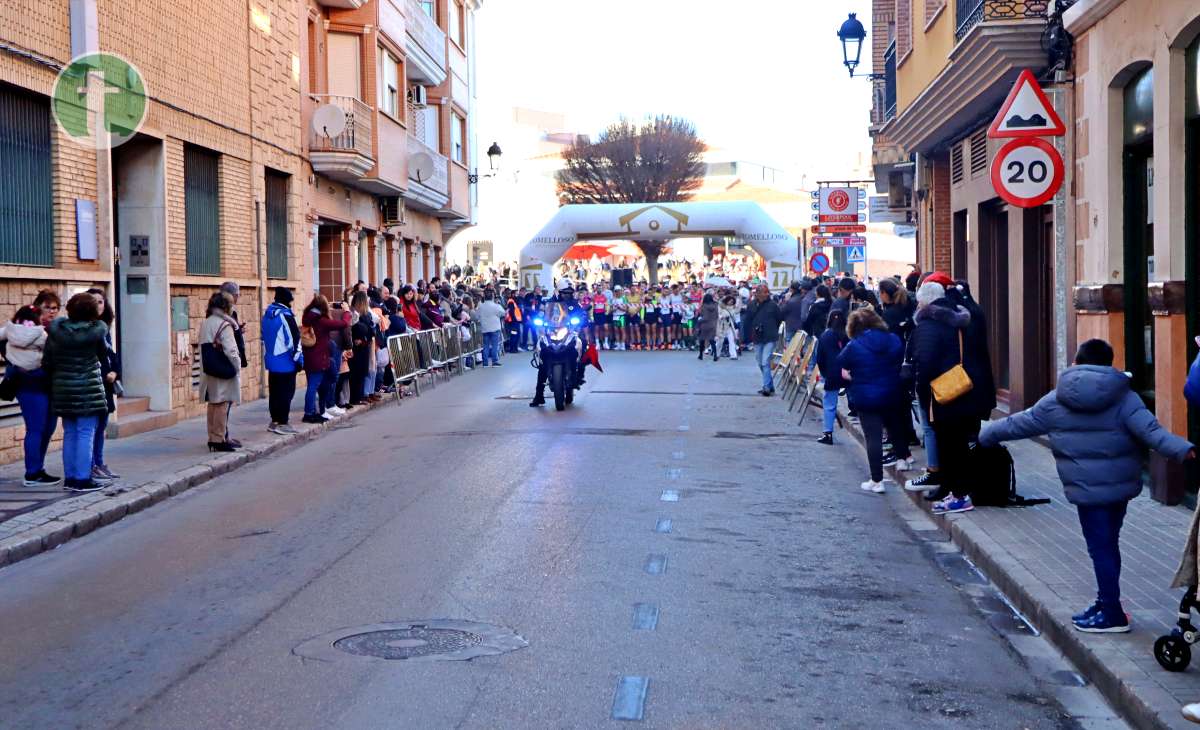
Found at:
[852, 34]
[493, 154]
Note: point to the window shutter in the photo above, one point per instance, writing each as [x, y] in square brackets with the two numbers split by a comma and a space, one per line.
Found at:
[277, 225]
[343, 64]
[27, 207]
[956, 164]
[979, 153]
[202, 211]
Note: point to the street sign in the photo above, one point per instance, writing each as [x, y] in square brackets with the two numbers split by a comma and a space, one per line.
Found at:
[838, 241]
[838, 201]
[881, 213]
[1027, 172]
[818, 263]
[840, 218]
[1027, 112]
[856, 255]
[839, 228]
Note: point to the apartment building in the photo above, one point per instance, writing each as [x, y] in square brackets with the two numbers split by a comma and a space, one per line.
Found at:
[947, 66]
[206, 191]
[1137, 198]
[390, 181]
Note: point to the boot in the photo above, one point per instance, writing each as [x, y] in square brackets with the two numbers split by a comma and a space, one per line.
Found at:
[826, 438]
[538, 400]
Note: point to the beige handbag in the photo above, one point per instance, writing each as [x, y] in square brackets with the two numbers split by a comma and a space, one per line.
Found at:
[954, 383]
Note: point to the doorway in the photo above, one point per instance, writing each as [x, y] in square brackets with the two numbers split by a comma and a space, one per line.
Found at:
[958, 253]
[1138, 231]
[331, 261]
[1037, 293]
[993, 285]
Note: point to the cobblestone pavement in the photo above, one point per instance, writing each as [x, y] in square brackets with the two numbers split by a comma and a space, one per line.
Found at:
[669, 549]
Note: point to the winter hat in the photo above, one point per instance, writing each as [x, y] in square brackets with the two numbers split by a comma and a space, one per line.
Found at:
[940, 277]
[283, 295]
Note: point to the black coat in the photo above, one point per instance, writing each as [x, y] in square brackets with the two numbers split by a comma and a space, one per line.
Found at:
[899, 319]
[793, 313]
[829, 346]
[761, 322]
[934, 349]
[818, 316]
[977, 343]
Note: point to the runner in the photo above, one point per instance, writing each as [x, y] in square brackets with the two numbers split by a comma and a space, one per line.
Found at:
[688, 317]
[585, 305]
[618, 317]
[635, 333]
[600, 315]
[676, 302]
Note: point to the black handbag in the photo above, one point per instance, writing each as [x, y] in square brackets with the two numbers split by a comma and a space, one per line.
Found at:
[8, 386]
[214, 361]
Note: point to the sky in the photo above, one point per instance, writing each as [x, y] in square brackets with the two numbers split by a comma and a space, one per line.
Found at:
[763, 78]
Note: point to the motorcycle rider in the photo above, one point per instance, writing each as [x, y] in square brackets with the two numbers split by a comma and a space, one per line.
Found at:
[559, 312]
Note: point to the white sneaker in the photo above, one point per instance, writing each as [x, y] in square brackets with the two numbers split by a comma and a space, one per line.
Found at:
[872, 486]
[904, 464]
[328, 415]
[337, 411]
[1191, 712]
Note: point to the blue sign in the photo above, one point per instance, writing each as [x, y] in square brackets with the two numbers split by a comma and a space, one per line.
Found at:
[85, 229]
[856, 255]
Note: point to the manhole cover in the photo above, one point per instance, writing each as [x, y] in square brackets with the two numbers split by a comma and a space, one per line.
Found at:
[431, 640]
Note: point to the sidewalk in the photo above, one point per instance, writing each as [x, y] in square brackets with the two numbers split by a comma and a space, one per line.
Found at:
[1037, 556]
[153, 466]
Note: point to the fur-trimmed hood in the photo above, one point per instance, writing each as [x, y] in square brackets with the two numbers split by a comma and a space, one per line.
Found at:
[943, 311]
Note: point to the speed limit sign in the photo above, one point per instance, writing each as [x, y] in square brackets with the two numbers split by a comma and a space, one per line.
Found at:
[1027, 172]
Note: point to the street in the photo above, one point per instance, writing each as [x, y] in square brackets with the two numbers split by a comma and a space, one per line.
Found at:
[672, 526]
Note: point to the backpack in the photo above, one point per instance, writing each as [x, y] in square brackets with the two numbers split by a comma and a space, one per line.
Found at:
[996, 480]
[308, 336]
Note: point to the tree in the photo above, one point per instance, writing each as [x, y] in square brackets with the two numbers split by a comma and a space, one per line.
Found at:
[657, 161]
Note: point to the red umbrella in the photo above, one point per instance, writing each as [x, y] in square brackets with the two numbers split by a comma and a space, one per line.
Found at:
[584, 251]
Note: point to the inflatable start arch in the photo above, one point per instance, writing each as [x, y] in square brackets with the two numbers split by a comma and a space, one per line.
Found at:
[746, 222]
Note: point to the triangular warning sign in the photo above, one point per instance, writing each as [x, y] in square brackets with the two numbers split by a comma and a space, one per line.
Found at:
[1027, 112]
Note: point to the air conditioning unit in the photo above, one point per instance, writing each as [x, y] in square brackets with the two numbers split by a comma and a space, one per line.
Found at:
[418, 96]
[392, 211]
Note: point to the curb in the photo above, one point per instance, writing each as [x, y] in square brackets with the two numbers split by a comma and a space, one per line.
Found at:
[89, 512]
[1115, 676]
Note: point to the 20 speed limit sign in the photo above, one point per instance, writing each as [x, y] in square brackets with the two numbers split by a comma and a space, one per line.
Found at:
[1027, 172]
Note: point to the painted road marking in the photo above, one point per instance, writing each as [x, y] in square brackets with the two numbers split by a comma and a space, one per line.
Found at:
[684, 428]
[674, 473]
[670, 495]
[629, 702]
[663, 525]
[645, 617]
[656, 564]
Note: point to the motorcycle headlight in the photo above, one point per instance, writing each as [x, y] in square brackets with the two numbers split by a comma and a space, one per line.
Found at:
[575, 320]
[560, 334]
[538, 322]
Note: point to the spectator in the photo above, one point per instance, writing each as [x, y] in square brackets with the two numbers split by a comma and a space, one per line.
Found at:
[793, 311]
[513, 321]
[340, 353]
[50, 304]
[235, 293]
[841, 301]
[831, 343]
[871, 363]
[818, 314]
[220, 393]
[433, 309]
[283, 357]
[931, 480]
[26, 338]
[319, 325]
[362, 333]
[110, 371]
[727, 327]
[1098, 428]
[410, 307]
[898, 309]
[761, 325]
[74, 348]
[491, 318]
[710, 315]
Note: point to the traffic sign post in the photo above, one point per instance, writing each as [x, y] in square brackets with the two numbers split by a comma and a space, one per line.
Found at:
[1027, 172]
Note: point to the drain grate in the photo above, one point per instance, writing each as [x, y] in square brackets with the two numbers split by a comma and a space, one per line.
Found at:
[431, 640]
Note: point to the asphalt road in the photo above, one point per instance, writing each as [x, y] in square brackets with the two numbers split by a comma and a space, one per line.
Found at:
[785, 596]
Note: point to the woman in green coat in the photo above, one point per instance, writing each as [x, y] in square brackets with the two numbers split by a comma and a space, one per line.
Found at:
[74, 346]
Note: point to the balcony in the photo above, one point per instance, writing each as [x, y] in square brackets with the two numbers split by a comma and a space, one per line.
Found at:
[425, 43]
[346, 156]
[431, 193]
[971, 13]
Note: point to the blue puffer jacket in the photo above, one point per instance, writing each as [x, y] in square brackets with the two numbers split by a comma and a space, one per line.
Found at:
[1098, 428]
[873, 360]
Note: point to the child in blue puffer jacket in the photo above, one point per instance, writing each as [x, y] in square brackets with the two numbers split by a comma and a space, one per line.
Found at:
[1098, 429]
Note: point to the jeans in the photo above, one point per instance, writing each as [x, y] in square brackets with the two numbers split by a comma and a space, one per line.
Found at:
[930, 439]
[40, 422]
[762, 356]
[281, 388]
[491, 347]
[331, 378]
[314, 394]
[872, 423]
[98, 440]
[1101, 525]
[829, 403]
[79, 433]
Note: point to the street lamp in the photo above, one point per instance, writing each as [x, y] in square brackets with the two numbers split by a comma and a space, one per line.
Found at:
[493, 154]
[852, 34]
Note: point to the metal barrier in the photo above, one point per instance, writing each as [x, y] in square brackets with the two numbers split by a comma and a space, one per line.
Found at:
[405, 362]
[430, 352]
[433, 345]
[452, 341]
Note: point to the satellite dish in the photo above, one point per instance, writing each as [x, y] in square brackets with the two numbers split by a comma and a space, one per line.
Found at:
[329, 120]
[420, 166]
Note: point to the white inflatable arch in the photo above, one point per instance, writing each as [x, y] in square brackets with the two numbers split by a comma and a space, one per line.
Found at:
[747, 222]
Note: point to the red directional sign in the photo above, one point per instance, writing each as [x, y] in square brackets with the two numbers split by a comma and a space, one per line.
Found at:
[839, 228]
[1027, 112]
[819, 263]
[1027, 172]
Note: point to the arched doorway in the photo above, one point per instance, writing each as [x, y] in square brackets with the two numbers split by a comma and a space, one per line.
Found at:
[1137, 122]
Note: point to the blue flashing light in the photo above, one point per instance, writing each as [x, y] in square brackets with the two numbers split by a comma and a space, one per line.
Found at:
[538, 322]
[574, 320]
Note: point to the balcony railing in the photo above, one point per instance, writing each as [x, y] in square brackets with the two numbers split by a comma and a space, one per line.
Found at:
[356, 137]
[889, 82]
[429, 39]
[970, 13]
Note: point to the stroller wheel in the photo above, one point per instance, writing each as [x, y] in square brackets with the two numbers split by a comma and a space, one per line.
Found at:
[1172, 652]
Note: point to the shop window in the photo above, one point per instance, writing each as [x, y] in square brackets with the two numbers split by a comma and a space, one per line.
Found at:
[1138, 229]
[202, 215]
[26, 209]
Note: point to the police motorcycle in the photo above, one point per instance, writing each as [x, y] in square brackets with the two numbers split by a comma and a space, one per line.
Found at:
[558, 352]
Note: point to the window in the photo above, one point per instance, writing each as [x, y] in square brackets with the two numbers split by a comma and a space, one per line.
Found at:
[455, 29]
[389, 84]
[277, 224]
[430, 8]
[26, 209]
[201, 210]
[313, 49]
[343, 58]
[458, 132]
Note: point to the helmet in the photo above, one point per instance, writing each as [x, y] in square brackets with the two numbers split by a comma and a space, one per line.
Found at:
[564, 284]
